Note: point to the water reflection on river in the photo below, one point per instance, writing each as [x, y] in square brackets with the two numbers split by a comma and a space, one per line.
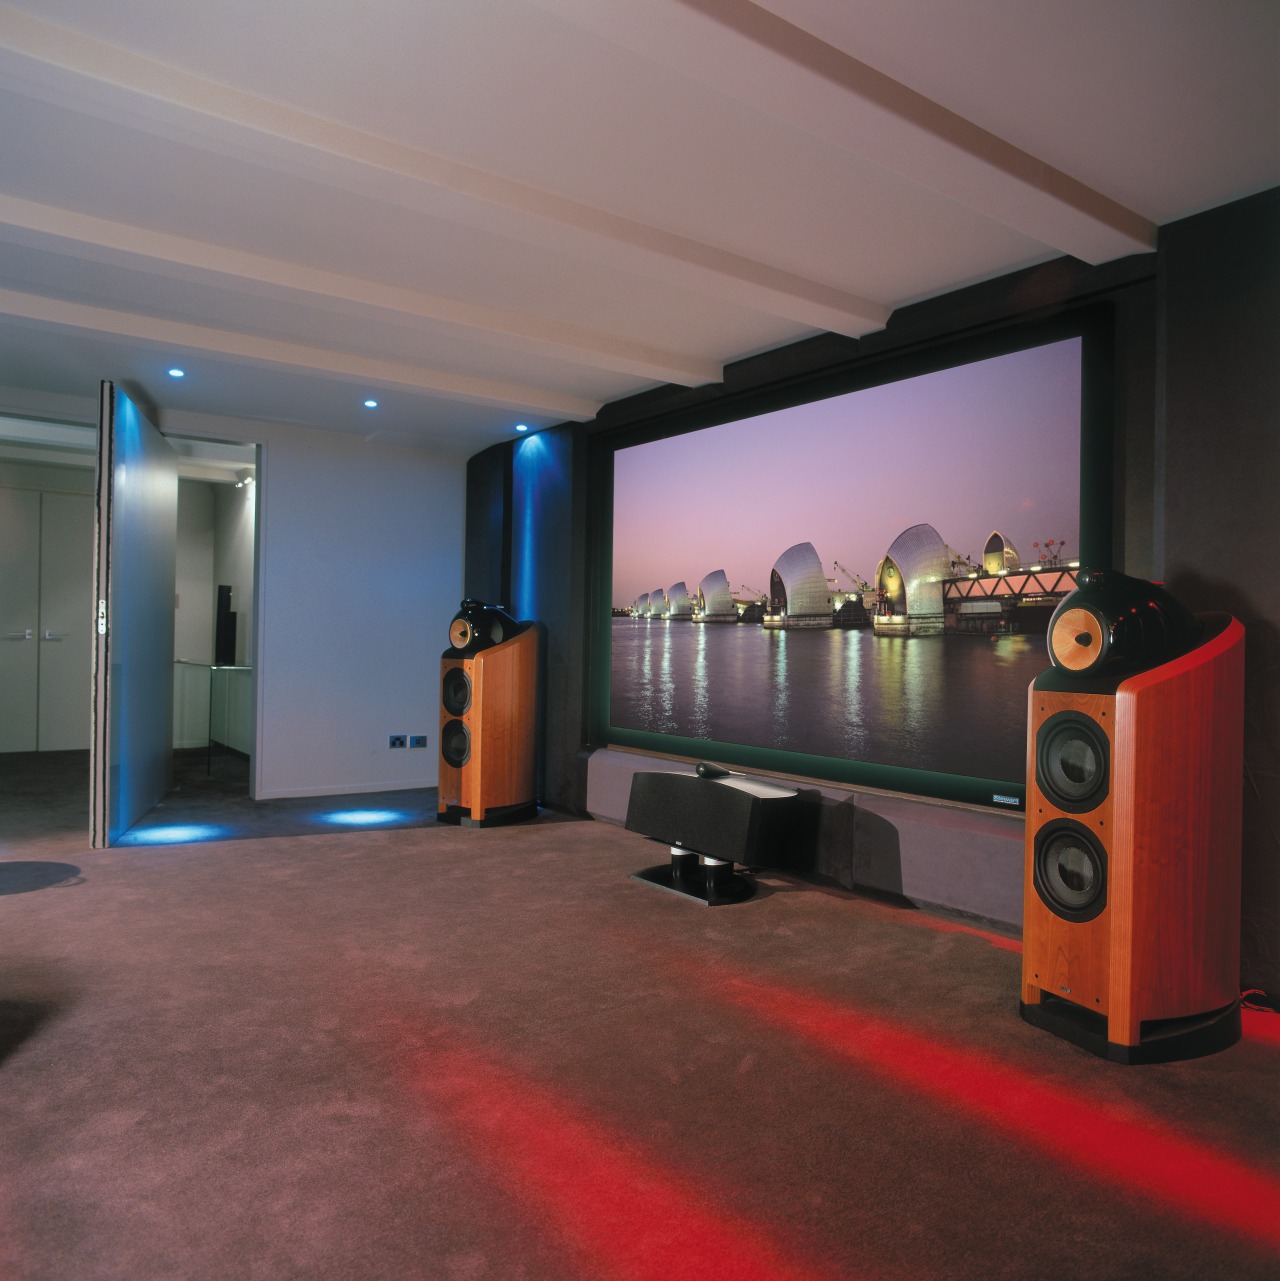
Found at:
[954, 704]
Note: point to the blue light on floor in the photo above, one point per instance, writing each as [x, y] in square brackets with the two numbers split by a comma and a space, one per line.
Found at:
[174, 834]
[365, 818]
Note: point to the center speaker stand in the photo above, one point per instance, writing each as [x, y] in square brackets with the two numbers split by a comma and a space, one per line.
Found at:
[488, 719]
[1131, 920]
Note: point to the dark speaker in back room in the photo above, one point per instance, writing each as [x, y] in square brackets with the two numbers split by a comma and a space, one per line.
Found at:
[488, 718]
[1131, 919]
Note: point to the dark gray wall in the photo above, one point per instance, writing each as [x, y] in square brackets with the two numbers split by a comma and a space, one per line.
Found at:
[1218, 494]
[486, 571]
[526, 550]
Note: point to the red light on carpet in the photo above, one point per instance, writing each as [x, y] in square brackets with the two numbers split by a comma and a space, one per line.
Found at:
[628, 1218]
[1105, 1141]
[940, 926]
[1261, 1026]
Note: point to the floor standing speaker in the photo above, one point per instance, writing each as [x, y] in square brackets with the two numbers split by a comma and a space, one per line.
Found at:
[488, 718]
[1131, 925]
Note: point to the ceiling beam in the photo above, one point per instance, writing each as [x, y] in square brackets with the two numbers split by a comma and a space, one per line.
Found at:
[746, 51]
[174, 336]
[100, 240]
[65, 67]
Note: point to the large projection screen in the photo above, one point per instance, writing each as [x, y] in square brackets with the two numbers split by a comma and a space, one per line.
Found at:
[844, 530]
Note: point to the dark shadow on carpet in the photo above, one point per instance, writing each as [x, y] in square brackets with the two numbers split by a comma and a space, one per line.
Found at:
[19, 1021]
[24, 878]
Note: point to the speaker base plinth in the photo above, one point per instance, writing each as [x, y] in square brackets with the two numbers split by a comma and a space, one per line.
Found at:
[724, 887]
[1162, 1041]
[494, 815]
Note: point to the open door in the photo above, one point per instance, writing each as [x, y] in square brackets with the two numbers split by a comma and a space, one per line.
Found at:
[135, 532]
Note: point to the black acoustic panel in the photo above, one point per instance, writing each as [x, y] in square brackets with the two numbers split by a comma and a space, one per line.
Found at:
[721, 821]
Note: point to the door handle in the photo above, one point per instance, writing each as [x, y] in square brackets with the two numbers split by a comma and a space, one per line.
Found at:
[23, 635]
[50, 635]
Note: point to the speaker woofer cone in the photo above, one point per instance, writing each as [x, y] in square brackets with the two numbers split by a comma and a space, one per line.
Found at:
[455, 691]
[1073, 762]
[1070, 870]
[455, 743]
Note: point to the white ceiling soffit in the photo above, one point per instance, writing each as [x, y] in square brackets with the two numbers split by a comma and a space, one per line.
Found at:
[485, 211]
[22, 431]
[38, 441]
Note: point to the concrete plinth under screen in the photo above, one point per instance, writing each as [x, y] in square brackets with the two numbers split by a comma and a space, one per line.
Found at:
[959, 857]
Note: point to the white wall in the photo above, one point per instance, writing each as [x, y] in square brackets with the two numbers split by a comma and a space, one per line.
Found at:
[193, 616]
[360, 551]
[360, 571]
[233, 526]
[215, 547]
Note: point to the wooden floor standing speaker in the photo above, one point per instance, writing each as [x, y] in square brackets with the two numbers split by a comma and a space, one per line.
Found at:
[488, 719]
[1131, 926]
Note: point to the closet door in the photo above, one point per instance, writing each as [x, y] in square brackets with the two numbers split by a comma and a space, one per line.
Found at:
[66, 621]
[19, 618]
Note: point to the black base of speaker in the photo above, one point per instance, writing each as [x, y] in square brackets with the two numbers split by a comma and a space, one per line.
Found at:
[1162, 1040]
[724, 886]
[494, 816]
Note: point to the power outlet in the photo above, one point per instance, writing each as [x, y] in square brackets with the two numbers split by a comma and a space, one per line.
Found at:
[417, 740]
[396, 740]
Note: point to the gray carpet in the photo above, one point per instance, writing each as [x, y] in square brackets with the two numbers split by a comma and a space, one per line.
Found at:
[462, 1054]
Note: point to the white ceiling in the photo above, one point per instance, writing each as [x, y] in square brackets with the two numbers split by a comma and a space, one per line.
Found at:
[484, 212]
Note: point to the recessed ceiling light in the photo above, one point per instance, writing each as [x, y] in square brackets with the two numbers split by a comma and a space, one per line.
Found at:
[371, 404]
[522, 426]
[177, 373]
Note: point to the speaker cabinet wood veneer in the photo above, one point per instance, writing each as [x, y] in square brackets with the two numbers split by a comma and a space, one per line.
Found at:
[488, 720]
[1131, 931]
[1066, 957]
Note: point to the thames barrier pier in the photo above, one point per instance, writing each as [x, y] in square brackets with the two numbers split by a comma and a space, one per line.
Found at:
[922, 587]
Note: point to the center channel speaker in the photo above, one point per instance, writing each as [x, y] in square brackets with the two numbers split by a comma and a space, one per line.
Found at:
[1131, 914]
[488, 718]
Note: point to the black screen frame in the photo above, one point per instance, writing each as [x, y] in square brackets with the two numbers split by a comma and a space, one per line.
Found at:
[1093, 323]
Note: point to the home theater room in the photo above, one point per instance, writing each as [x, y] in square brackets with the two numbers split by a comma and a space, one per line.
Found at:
[636, 640]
